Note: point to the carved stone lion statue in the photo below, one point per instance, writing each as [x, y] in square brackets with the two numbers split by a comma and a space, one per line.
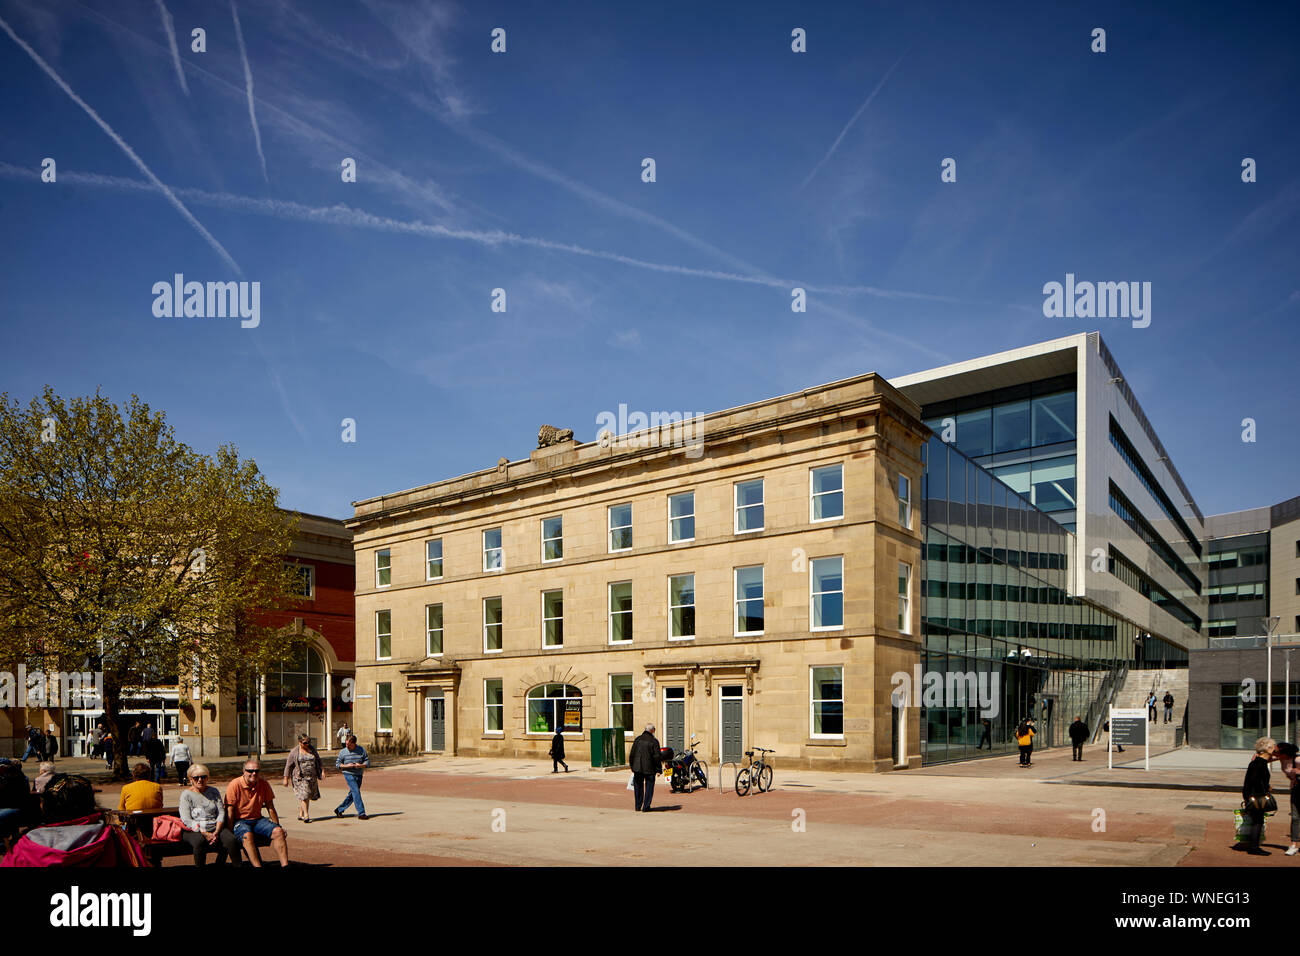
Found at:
[550, 435]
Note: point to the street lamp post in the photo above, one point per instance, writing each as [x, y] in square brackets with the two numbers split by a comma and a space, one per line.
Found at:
[1269, 624]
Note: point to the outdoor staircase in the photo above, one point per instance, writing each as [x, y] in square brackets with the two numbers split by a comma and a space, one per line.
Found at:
[1134, 695]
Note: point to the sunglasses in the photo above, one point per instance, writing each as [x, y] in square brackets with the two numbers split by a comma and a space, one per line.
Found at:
[252, 771]
[200, 776]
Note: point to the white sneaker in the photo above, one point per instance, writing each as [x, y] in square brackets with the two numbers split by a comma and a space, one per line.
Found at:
[1293, 851]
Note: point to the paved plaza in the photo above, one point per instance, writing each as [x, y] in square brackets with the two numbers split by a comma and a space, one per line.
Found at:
[439, 811]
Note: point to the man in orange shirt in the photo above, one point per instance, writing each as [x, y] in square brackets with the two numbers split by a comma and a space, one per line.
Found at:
[246, 795]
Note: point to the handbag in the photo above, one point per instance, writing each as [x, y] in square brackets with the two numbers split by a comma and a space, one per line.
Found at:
[1266, 802]
[167, 829]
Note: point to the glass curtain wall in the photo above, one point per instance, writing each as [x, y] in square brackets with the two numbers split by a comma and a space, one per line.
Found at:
[1003, 639]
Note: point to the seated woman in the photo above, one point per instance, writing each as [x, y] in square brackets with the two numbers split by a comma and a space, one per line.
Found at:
[203, 812]
[17, 805]
[142, 793]
[74, 833]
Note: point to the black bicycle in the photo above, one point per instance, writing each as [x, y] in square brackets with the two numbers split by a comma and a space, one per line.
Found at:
[758, 773]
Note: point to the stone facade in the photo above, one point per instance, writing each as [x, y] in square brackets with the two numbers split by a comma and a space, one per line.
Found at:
[862, 424]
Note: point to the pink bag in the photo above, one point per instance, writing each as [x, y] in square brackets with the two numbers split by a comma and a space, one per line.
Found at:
[168, 828]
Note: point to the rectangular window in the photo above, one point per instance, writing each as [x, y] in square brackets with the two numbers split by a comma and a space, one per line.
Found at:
[383, 568]
[620, 612]
[433, 630]
[749, 506]
[493, 553]
[827, 493]
[305, 583]
[552, 619]
[491, 624]
[905, 598]
[681, 517]
[827, 701]
[383, 635]
[620, 702]
[384, 708]
[681, 606]
[905, 501]
[552, 538]
[433, 559]
[620, 528]
[826, 580]
[494, 706]
[749, 600]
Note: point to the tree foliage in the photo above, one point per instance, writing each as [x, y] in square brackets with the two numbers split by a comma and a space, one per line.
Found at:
[123, 550]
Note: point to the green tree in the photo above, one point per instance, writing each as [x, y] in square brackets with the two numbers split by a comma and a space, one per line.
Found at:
[123, 550]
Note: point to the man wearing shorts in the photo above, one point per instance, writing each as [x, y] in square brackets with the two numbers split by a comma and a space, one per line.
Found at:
[245, 797]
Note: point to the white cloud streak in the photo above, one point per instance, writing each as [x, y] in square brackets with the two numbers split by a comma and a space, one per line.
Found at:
[853, 119]
[122, 144]
[248, 86]
[170, 28]
[342, 215]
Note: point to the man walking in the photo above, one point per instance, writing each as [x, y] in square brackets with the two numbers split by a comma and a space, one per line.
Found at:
[1078, 737]
[343, 735]
[987, 736]
[353, 761]
[645, 762]
[246, 795]
[557, 753]
[1169, 706]
[35, 745]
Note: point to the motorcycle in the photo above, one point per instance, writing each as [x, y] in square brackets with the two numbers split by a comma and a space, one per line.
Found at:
[684, 770]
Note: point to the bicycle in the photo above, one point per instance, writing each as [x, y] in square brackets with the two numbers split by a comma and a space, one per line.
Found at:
[759, 773]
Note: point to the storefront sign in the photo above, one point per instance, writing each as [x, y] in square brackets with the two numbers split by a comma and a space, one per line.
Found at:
[573, 713]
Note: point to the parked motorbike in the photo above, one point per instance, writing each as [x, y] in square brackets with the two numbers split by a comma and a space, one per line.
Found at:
[686, 770]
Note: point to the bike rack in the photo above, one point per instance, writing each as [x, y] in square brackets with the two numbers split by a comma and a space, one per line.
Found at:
[734, 777]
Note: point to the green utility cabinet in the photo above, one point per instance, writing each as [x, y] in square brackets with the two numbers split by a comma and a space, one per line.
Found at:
[608, 748]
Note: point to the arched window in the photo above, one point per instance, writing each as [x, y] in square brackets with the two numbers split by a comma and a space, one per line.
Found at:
[300, 676]
[552, 706]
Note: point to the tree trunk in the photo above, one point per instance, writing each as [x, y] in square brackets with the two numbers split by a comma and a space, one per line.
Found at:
[113, 707]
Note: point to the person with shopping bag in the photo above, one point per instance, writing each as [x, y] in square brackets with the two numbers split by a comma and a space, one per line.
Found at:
[1257, 798]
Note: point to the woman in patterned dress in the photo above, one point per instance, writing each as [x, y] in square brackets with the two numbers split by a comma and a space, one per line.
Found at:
[303, 768]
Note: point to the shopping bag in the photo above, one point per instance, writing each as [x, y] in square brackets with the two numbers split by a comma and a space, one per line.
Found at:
[630, 781]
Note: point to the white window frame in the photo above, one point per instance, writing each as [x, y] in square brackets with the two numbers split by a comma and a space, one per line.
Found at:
[488, 708]
[672, 607]
[559, 538]
[814, 495]
[735, 505]
[736, 599]
[610, 529]
[630, 733]
[389, 655]
[813, 700]
[609, 613]
[428, 631]
[427, 560]
[501, 548]
[379, 708]
[389, 569]
[905, 599]
[681, 494]
[311, 578]
[812, 595]
[502, 625]
[905, 501]
[546, 620]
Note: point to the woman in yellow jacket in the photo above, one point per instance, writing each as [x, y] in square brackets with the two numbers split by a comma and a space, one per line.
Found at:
[1025, 738]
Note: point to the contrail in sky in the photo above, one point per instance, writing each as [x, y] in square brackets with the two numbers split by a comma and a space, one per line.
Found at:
[853, 119]
[158, 183]
[248, 85]
[171, 39]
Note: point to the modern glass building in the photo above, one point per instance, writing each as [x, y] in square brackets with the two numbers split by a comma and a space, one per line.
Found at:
[1055, 558]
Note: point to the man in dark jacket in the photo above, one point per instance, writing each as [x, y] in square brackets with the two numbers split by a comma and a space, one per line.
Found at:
[1169, 706]
[557, 753]
[1078, 736]
[645, 762]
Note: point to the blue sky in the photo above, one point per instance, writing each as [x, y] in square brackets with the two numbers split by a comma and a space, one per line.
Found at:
[522, 171]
